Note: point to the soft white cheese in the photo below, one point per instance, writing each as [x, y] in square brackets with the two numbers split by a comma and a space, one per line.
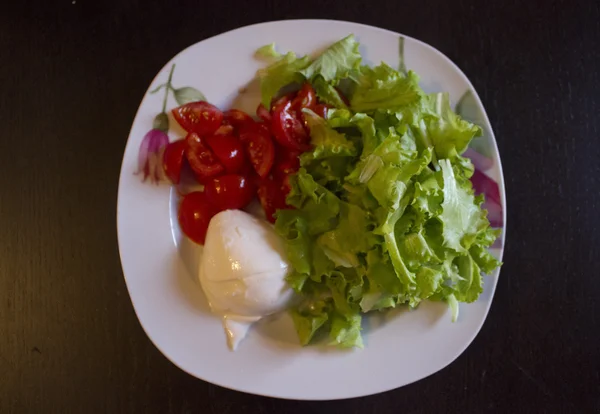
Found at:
[242, 271]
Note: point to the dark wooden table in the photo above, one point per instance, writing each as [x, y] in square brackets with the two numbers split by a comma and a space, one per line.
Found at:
[71, 77]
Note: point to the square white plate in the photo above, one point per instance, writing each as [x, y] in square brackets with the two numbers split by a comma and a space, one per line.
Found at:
[160, 266]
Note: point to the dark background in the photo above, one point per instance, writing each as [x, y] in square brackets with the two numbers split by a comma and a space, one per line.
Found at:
[72, 74]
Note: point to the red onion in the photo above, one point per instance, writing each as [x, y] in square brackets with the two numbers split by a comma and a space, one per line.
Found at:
[481, 162]
[485, 185]
[482, 184]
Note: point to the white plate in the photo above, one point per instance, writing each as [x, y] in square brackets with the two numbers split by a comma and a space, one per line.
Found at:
[160, 266]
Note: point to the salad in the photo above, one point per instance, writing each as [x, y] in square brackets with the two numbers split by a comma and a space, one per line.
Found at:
[361, 173]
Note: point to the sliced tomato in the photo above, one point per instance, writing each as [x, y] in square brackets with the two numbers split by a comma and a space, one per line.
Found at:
[236, 118]
[283, 169]
[306, 98]
[263, 128]
[261, 151]
[224, 129]
[286, 162]
[199, 117]
[271, 198]
[195, 213]
[285, 155]
[288, 97]
[288, 129]
[200, 157]
[286, 187]
[173, 160]
[229, 192]
[229, 151]
[321, 110]
[263, 113]
[254, 127]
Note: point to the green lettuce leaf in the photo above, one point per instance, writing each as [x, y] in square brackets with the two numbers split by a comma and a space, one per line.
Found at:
[453, 304]
[470, 286]
[326, 141]
[280, 74]
[345, 332]
[483, 258]
[337, 62]
[383, 87]
[293, 228]
[267, 51]
[428, 280]
[318, 206]
[308, 325]
[327, 93]
[362, 123]
[351, 237]
[448, 132]
[461, 217]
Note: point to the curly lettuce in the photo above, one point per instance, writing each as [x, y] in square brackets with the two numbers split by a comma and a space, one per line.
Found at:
[384, 213]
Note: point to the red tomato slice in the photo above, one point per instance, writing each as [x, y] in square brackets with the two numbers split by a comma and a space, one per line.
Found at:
[199, 117]
[249, 128]
[285, 168]
[263, 128]
[224, 129]
[261, 152]
[321, 110]
[195, 213]
[286, 162]
[285, 155]
[271, 198]
[236, 118]
[173, 159]
[229, 150]
[230, 192]
[306, 98]
[201, 158]
[288, 129]
[286, 187]
[288, 97]
[263, 113]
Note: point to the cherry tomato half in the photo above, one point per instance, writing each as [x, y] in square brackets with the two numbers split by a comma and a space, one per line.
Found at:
[199, 117]
[306, 98]
[173, 159]
[286, 163]
[286, 187]
[229, 150]
[224, 129]
[195, 213]
[271, 198]
[288, 129]
[229, 192]
[285, 168]
[202, 160]
[321, 110]
[283, 100]
[249, 128]
[261, 152]
[236, 118]
[263, 113]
